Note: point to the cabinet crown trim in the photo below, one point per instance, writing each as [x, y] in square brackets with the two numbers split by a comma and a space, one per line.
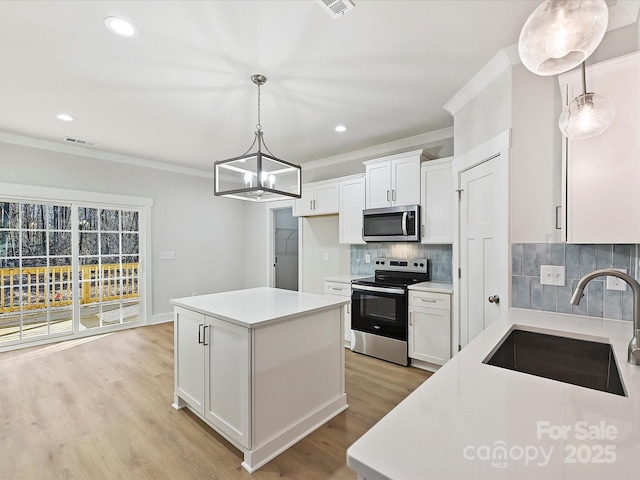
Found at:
[413, 153]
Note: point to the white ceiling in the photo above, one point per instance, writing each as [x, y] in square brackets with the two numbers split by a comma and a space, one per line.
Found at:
[180, 92]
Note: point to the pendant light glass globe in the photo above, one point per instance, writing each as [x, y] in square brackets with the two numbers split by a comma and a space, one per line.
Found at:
[561, 34]
[588, 115]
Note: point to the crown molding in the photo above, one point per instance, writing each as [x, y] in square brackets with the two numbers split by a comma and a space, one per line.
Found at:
[500, 62]
[78, 150]
[397, 146]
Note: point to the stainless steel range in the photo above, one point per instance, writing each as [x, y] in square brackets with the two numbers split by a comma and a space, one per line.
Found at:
[379, 308]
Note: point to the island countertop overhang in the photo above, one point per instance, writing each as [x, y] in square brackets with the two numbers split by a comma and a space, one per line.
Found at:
[255, 307]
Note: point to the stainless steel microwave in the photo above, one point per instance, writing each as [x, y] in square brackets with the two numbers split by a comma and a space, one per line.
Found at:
[391, 224]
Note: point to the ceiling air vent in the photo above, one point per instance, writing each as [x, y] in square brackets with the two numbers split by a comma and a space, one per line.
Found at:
[84, 143]
[336, 8]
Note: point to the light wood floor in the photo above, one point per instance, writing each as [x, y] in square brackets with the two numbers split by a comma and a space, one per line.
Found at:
[100, 408]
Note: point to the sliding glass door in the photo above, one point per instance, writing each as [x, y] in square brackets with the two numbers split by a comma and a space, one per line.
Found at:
[108, 266]
[67, 268]
[35, 270]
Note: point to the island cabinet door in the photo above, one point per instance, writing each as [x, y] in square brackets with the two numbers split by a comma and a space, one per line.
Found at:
[228, 379]
[189, 360]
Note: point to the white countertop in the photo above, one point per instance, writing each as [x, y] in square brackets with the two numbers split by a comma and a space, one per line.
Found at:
[344, 278]
[437, 287]
[452, 424]
[254, 307]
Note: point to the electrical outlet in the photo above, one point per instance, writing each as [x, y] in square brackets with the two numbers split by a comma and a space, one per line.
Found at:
[615, 283]
[552, 275]
[326, 256]
[367, 258]
[167, 255]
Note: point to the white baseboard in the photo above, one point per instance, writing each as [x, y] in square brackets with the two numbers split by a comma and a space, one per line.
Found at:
[160, 318]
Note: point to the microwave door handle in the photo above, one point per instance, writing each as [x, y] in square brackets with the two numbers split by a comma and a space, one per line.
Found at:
[404, 223]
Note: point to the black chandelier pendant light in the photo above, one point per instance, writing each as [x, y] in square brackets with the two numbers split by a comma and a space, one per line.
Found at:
[255, 175]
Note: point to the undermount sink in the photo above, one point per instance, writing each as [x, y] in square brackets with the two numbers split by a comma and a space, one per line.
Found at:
[570, 360]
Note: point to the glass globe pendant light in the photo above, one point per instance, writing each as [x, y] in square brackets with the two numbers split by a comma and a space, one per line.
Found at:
[561, 34]
[588, 115]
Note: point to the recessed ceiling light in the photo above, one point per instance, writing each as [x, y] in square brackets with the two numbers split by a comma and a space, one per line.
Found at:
[120, 26]
[64, 117]
[340, 128]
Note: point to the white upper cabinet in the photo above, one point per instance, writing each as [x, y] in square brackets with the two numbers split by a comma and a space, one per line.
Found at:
[600, 174]
[351, 194]
[437, 201]
[319, 198]
[393, 181]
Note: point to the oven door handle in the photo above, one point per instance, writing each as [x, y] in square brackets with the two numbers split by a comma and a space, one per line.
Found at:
[404, 223]
[367, 288]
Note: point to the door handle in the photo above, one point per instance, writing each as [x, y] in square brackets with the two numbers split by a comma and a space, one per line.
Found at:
[200, 332]
[404, 223]
[494, 299]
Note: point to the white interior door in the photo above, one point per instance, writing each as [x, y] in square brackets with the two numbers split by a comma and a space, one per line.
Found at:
[483, 245]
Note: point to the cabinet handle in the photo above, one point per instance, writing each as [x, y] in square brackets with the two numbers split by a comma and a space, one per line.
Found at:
[314, 205]
[393, 195]
[423, 230]
[204, 337]
[410, 318]
[348, 308]
[336, 288]
[387, 195]
[310, 204]
[428, 300]
[200, 332]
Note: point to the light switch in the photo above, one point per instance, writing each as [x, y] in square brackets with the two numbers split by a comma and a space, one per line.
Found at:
[552, 275]
[367, 258]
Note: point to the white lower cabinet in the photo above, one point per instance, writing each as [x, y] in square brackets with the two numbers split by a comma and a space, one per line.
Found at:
[212, 371]
[340, 289]
[429, 327]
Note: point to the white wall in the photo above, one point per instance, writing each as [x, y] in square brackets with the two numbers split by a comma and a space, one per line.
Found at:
[320, 236]
[484, 116]
[256, 245]
[206, 232]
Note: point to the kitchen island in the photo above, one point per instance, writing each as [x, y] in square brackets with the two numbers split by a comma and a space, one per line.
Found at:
[474, 420]
[264, 367]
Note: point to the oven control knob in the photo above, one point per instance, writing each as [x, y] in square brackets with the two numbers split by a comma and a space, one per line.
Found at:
[422, 264]
[382, 263]
[415, 264]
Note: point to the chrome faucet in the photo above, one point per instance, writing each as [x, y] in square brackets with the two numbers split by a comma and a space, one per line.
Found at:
[634, 349]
